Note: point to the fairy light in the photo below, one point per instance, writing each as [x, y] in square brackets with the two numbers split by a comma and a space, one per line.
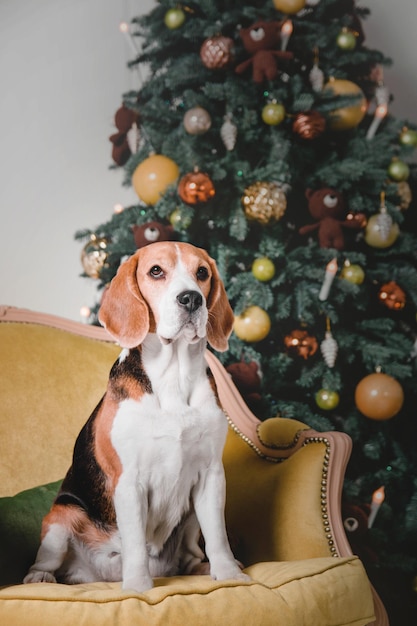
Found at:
[118, 208]
[85, 313]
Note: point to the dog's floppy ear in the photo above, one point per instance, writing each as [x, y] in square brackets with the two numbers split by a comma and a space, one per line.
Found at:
[123, 311]
[221, 318]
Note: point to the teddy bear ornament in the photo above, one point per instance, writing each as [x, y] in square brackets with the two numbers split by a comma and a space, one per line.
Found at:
[260, 41]
[328, 208]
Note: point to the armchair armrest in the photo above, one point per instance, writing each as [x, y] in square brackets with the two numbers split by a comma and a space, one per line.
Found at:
[280, 442]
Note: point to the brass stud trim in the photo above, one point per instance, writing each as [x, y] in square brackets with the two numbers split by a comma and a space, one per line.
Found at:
[323, 492]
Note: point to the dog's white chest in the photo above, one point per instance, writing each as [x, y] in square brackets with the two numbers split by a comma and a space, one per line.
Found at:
[165, 452]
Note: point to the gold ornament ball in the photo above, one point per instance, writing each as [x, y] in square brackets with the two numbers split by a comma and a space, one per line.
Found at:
[289, 6]
[174, 18]
[398, 170]
[179, 221]
[273, 113]
[375, 238]
[405, 195]
[346, 39]
[408, 137]
[263, 269]
[151, 177]
[197, 121]
[349, 116]
[264, 202]
[353, 274]
[252, 325]
[327, 399]
[94, 255]
[379, 396]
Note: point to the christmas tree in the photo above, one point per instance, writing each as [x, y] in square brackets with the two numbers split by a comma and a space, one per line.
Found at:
[262, 132]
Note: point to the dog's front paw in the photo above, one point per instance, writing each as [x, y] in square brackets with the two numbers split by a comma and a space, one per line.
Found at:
[139, 584]
[229, 571]
[36, 576]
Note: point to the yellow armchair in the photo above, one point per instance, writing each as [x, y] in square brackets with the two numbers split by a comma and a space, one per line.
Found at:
[284, 484]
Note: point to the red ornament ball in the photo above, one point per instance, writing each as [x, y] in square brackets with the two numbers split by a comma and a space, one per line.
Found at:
[217, 52]
[392, 296]
[309, 125]
[379, 396]
[300, 343]
[196, 187]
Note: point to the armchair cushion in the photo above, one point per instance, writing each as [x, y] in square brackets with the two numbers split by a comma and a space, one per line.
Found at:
[309, 592]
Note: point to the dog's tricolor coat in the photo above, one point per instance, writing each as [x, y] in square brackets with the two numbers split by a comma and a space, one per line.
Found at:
[147, 468]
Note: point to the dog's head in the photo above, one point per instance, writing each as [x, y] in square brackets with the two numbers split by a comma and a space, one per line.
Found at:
[169, 288]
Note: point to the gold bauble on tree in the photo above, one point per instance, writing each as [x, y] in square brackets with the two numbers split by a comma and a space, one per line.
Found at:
[151, 177]
[264, 202]
[252, 325]
[349, 116]
[379, 396]
[376, 237]
[289, 6]
[94, 255]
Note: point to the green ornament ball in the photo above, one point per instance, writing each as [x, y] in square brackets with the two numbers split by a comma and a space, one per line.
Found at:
[398, 170]
[346, 39]
[327, 399]
[408, 137]
[263, 269]
[273, 113]
[174, 18]
[353, 274]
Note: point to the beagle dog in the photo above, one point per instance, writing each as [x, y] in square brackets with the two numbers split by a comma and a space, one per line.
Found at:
[147, 469]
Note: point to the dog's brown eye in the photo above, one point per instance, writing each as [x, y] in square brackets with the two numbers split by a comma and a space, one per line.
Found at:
[202, 273]
[156, 271]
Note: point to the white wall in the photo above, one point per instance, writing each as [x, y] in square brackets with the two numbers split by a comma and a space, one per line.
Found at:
[63, 71]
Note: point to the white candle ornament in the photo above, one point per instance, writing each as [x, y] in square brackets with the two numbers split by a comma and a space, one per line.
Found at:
[124, 28]
[286, 32]
[377, 499]
[331, 269]
[380, 112]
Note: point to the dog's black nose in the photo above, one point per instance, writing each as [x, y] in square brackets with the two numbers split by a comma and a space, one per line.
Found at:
[191, 300]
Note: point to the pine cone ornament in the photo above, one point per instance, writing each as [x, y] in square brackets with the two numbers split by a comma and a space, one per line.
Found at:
[316, 77]
[329, 349]
[228, 132]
